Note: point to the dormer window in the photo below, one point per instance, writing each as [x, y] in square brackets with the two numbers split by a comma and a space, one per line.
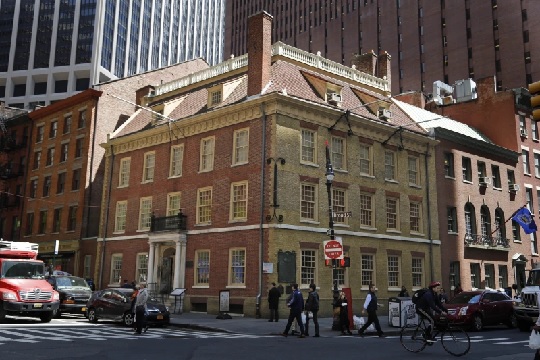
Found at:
[215, 97]
[333, 94]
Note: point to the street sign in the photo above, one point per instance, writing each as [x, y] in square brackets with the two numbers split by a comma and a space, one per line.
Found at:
[333, 249]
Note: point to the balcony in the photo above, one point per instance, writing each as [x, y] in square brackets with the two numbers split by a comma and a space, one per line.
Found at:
[487, 242]
[169, 223]
[9, 144]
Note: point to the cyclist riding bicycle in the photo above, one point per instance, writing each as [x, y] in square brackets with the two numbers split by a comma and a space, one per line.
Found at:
[429, 304]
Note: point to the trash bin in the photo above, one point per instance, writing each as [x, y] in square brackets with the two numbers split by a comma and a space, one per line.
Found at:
[401, 312]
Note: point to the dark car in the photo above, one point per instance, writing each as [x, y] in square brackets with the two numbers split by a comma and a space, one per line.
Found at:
[74, 294]
[115, 304]
[479, 308]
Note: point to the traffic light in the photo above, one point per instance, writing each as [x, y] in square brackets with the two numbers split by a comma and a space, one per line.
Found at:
[534, 89]
[327, 262]
[345, 262]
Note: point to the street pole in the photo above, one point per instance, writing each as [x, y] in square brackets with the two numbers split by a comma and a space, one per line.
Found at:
[329, 179]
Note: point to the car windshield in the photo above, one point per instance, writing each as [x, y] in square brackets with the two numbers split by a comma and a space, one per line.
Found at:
[71, 282]
[22, 270]
[465, 298]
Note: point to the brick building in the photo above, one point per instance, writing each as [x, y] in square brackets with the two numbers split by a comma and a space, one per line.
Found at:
[225, 179]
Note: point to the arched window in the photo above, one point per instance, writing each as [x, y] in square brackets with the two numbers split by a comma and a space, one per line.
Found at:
[500, 225]
[485, 222]
[470, 221]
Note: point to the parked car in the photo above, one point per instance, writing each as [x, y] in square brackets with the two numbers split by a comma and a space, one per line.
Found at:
[74, 294]
[479, 308]
[115, 304]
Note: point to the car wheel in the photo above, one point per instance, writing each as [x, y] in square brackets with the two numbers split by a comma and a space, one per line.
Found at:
[92, 316]
[128, 319]
[46, 317]
[57, 314]
[512, 322]
[478, 323]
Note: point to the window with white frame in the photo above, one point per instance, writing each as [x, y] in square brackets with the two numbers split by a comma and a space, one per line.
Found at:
[503, 276]
[416, 216]
[177, 158]
[308, 202]
[241, 147]
[389, 165]
[367, 270]
[309, 144]
[526, 164]
[536, 164]
[237, 268]
[202, 267]
[204, 205]
[87, 267]
[239, 200]
[338, 153]
[392, 214]
[149, 166]
[207, 154]
[413, 170]
[417, 272]
[145, 213]
[141, 274]
[534, 129]
[466, 168]
[393, 271]
[339, 202]
[308, 267]
[366, 209]
[173, 203]
[366, 164]
[123, 175]
[489, 276]
[120, 216]
[116, 268]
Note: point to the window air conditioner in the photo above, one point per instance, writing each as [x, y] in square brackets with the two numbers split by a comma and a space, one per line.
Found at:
[523, 133]
[514, 187]
[384, 114]
[485, 180]
[333, 98]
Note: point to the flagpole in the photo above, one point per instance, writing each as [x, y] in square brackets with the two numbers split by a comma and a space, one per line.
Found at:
[507, 220]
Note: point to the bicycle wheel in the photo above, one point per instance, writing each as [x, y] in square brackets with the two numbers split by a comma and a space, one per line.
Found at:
[412, 338]
[456, 341]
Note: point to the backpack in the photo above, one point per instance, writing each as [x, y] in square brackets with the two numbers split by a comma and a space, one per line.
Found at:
[418, 294]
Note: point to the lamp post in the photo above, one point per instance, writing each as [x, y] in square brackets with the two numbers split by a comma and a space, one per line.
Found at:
[329, 179]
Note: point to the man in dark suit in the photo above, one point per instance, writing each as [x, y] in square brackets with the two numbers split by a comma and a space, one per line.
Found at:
[273, 302]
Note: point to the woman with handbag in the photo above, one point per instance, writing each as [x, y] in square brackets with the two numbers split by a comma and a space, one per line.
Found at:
[140, 308]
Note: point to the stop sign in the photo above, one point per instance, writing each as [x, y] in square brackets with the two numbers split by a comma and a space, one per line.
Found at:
[333, 249]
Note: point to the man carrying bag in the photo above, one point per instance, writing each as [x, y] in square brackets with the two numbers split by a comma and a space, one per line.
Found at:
[140, 309]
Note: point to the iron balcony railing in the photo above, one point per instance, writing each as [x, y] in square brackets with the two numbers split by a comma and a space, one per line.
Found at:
[486, 241]
[168, 223]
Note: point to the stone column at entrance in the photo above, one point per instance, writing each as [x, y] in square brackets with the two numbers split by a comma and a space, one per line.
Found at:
[180, 262]
[151, 259]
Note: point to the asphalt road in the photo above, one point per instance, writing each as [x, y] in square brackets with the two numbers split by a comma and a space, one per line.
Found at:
[75, 338]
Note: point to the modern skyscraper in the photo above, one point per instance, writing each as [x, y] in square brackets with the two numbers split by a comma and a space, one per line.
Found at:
[51, 49]
[428, 40]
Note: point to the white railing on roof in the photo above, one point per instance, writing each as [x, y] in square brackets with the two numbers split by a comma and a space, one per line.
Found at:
[279, 48]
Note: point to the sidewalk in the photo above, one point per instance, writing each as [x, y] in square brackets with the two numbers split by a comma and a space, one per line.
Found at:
[249, 325]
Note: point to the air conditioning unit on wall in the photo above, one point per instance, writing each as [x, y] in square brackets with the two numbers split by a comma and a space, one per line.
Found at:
[485, 181]
[514, 187]
[384, 114]
[523, 133]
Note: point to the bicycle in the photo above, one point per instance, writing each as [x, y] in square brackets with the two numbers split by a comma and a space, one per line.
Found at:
[454, 340]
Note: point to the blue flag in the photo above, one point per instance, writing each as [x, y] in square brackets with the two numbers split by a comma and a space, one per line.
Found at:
[524, 218]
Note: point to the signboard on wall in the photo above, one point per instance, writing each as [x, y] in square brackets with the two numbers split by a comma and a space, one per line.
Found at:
[224, 296]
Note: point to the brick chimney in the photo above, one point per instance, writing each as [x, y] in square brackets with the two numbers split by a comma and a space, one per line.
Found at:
[259, 46]
[366, 62]
[141, 93]
[385, 68]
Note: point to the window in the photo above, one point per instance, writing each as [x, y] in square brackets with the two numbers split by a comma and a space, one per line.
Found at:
[177, 159]
[367, 270]
[42, 221]
[529, 199]
[173, 204]
[215, 97]
[481, 170]
[29, 224]
[526, 165]
[516, 234]
[339, 205]
[239, 201]
[470, 221]
[392, 214]
[61, 183]
[393, 271]
[416, 217]
[82, 119]
[120, 216]
[141, 274]
[522, 126]
[57, 218]
[417, 272]
[202, 267]
[72, 218]
[67, 125]
[366, 210]
[454, 273]
[53, 129]
[40, 133]
[536, 164]
[149, 165]
[37, 160]
[503, 277]
[489, 276]
[413, 170]
[33, 188]
[338, 153]
[237, 262]
[64, 149]
[452, 219]
[309, 139]
[534, 129]
[485, 222]
[145, 213]
[207, 154]
[46, 186]
[308, 202]
[511, 177]
[467, 169]
[76, 180]
[475, 275]
[116, 268]
[366, 164]
[389, 165]
[50, 157]
[308, 267]
[241, 147]
[123, 176]
[87, 266]
[496, 174]
[204, 205]
[78, 147]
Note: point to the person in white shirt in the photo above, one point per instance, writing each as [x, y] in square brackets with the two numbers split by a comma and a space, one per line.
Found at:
[140, 308]
[371, 305]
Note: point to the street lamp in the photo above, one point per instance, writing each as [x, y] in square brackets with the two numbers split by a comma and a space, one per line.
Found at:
[329, 179]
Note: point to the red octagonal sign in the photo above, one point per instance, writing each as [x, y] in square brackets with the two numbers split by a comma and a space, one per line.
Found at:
[333, 249]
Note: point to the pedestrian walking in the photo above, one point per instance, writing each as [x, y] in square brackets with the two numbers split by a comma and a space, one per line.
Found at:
[296, 306]
[140, 308]
[403, 292]
[133, 312]
[344, 323]
[312, 307]
[273, 303]
[370, 306]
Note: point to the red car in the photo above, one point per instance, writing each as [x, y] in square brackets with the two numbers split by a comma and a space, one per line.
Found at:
[483, 307]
